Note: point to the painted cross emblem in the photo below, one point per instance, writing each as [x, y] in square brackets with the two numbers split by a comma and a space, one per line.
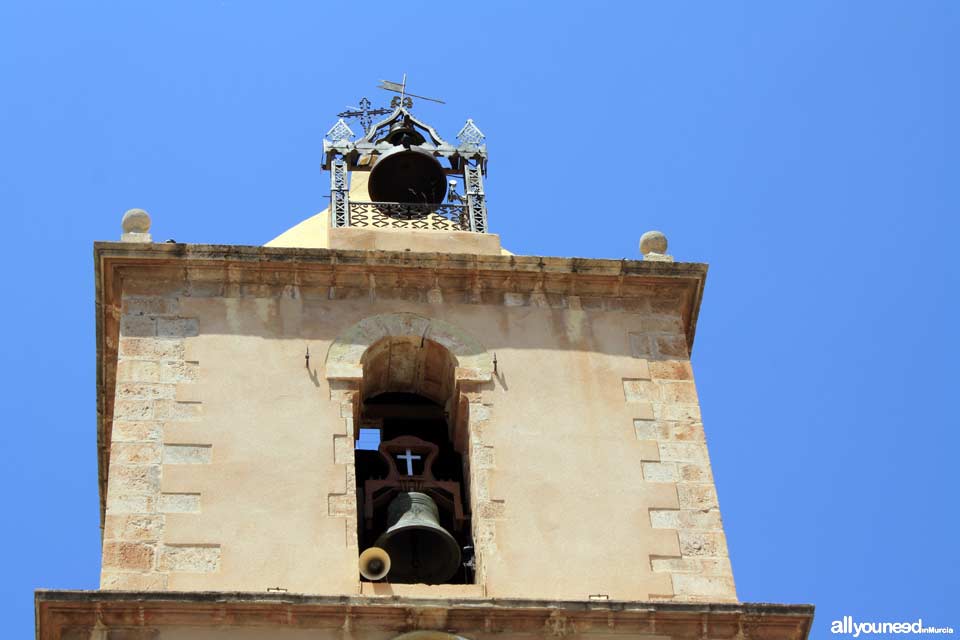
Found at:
[409, 457]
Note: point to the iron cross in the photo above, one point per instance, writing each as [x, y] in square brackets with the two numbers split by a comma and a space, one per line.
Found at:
[364, 113]
[409, 457]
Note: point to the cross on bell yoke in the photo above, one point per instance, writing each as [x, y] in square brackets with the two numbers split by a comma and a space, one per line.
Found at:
[415, 547]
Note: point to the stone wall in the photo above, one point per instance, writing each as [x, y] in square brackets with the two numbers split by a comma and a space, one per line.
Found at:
[231, 465]
[157, 410]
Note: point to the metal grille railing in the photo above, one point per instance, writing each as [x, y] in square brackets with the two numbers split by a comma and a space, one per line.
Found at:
[401, 215]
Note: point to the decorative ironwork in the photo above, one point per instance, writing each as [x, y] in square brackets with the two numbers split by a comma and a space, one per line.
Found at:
[404, 99]
[397, 101]
[470, 134]
[364, 113]
[339, 131]
[339, 201]
[476, 200]
[401, 215]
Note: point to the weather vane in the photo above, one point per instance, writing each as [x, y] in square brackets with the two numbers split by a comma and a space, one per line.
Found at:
[404, 99]
[364, 113]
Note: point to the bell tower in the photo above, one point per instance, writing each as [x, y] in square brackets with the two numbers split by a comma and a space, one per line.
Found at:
[410, 169]
[381, 425]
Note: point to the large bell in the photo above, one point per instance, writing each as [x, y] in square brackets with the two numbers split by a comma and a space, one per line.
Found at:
[421, 551]
[407, 174]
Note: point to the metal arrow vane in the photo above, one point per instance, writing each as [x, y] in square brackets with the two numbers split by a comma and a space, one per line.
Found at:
[404, 99]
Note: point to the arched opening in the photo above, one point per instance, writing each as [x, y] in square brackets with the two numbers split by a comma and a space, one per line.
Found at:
[406, 458]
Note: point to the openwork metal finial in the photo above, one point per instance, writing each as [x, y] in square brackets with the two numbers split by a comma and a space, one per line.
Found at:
[364, 113]
[470, 134]
[339, 131]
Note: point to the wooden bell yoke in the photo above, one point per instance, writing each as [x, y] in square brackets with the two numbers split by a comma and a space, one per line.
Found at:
[406, 450]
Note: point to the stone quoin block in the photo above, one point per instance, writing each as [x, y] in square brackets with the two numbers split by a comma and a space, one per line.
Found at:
[128, 556]
[187, 453]
[152, 348]
[700, 543]
[138, 371]
[671, 346]
[137, 431]
[697, 496]
[120, 504]
[635, 390]
[683, 452]
[177, 327]
[123, 453]
[135, 479]
[671, 370]
[134, 528]
[179, 503]
[199, 558]
[150, 305]
[179, 371]
[659, 471]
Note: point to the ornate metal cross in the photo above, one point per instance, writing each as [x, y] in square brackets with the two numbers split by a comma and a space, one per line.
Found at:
[409, 457]
[364, 113]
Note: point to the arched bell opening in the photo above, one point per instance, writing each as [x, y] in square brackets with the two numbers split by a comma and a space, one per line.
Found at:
[411, 481]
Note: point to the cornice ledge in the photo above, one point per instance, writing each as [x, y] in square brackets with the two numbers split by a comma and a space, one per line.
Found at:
[56, 610]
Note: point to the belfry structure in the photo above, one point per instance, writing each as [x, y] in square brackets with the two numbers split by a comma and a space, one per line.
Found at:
[381, 425]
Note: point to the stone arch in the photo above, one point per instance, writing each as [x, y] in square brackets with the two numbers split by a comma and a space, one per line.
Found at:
[344, 358]
[469, 410]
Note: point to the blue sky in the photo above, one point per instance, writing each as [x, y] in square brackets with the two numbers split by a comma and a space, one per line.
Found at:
[806, 150]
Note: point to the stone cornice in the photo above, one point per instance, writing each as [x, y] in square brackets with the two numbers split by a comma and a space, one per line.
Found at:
[60, 610]
[586, 283]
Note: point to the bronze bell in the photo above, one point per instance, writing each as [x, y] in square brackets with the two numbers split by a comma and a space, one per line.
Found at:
[420, 550]
[407, 173]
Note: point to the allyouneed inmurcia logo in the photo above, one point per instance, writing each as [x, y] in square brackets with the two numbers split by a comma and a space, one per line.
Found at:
[849, 627]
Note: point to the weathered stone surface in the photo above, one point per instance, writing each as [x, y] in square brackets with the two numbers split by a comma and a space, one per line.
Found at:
[133, 528]
[697, 496]
[190, 558]
[177, 411]
[123, 453]
[152, 348]
[699, 543]
[671, 370]
[149, 431]
[177, 327]
[121, 504]
[694, 452]
[179, 371]
[640, 390]
[133, 581]
[150, 305]
[659, 472]
[179, 503]
[144, 391]
[704, 587]
[135, 479]
[128, 556]
[640, 345]
[138, 371]
[671, 346]
[187, 453]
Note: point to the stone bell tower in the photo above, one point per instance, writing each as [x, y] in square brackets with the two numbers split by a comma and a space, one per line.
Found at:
[381, 424]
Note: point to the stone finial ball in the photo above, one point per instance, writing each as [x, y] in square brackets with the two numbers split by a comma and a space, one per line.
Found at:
[136, 221]
[653, 242]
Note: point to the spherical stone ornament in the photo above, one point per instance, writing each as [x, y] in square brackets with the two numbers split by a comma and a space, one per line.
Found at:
[136, 221]
[653, 242]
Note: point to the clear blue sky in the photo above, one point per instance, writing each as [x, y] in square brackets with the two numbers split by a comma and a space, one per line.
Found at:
[807, 150]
